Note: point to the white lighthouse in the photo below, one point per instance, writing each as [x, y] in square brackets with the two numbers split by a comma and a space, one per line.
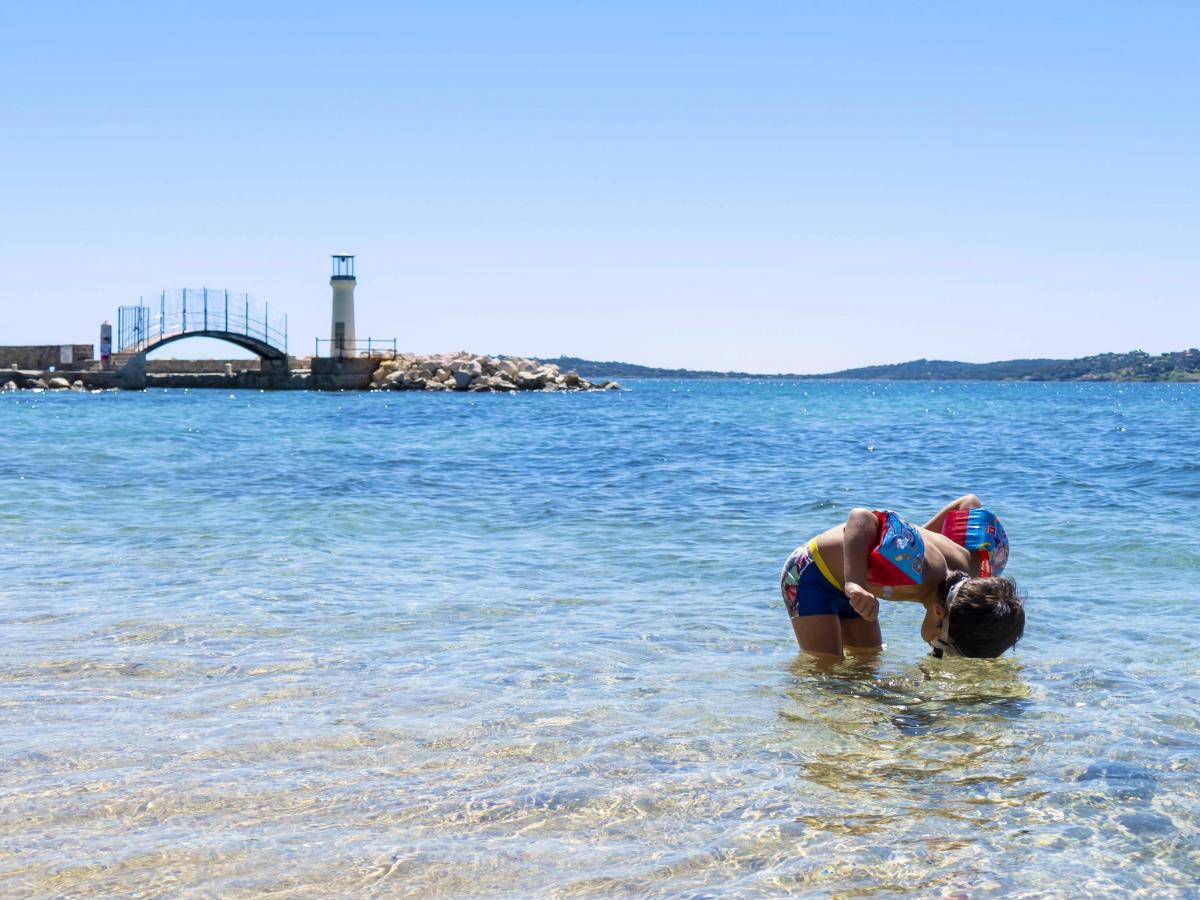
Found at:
[342, 281]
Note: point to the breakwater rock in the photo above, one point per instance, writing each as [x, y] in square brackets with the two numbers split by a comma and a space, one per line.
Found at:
[467, 372]
[31, 383]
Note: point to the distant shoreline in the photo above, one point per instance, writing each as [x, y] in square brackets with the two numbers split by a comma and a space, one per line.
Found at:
[1181, 366]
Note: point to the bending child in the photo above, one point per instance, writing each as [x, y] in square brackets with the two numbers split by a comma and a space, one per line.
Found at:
[833, 584]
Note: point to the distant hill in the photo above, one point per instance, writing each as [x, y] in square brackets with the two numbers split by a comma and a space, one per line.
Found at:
[1183, 365]
[590, 367]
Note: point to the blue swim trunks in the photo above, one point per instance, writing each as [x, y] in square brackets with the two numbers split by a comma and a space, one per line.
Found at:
[810, 589]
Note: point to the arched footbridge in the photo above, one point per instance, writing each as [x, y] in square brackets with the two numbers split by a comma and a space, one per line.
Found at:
[202, 312]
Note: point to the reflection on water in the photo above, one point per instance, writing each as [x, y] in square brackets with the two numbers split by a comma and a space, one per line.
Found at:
[908, 765]
[577, 679]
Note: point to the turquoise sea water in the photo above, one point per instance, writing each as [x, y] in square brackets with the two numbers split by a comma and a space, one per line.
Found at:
[380, 644]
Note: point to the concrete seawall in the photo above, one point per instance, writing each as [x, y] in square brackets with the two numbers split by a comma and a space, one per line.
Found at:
[43, 356]
[319, 374]
[206, 366]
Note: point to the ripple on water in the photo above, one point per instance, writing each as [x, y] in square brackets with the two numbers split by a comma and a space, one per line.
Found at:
[318, 645]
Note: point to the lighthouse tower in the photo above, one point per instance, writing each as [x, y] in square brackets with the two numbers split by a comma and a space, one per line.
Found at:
[342, 281]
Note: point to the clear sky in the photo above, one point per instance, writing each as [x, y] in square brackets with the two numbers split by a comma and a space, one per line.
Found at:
[767, 186]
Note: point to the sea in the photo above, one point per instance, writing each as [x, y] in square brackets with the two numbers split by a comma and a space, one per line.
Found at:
[532, 645]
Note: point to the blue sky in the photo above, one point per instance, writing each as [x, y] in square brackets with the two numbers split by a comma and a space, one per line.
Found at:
[763, 186]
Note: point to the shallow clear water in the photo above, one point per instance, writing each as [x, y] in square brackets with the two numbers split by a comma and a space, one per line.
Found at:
[533, 644]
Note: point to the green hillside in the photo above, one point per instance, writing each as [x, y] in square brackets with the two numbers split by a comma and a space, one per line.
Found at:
[1183, 365]
[590, 368]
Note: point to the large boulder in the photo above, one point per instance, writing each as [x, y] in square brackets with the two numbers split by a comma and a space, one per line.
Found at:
[530, 381]
[58, 383]
[378, 376]
[9, 386]
[384, 369]
[467, 372]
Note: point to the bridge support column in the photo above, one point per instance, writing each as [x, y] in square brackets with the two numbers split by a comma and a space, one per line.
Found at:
[132, 375]
[275, 372]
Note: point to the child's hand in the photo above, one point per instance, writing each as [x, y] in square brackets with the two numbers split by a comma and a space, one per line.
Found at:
[862, 601]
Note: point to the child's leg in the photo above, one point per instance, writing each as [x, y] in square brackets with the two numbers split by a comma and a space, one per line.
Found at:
[819, 635]
[859, 634]
[813, 604]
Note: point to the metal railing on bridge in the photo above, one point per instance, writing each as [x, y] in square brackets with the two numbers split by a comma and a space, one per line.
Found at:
[199, 311]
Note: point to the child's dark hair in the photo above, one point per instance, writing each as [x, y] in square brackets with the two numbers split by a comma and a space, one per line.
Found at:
[987, 616]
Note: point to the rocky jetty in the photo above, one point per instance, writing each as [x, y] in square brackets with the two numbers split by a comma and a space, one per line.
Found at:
[57, 383]
[467, 372]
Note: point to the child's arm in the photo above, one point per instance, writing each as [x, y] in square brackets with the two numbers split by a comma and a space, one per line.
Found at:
[967, 501]
[859, 536]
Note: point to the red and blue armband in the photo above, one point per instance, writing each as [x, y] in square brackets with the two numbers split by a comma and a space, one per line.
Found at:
[899, 556]
[980, 531]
